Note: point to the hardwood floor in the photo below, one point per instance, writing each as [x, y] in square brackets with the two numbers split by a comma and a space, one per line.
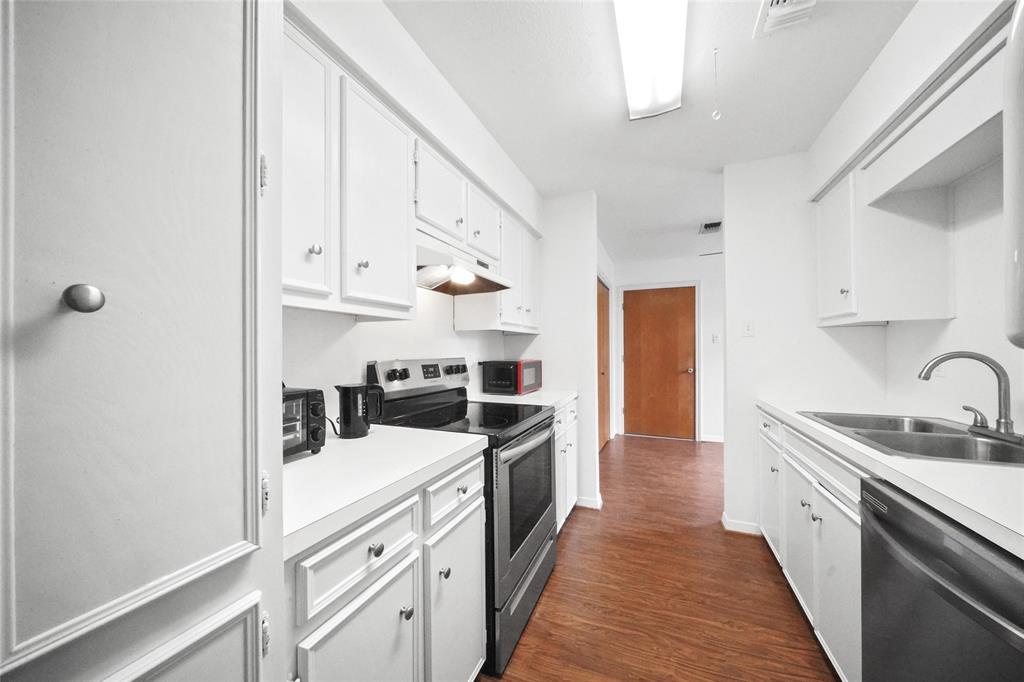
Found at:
[652, 587]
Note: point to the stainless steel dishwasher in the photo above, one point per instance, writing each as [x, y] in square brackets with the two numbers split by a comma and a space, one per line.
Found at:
[939, 601]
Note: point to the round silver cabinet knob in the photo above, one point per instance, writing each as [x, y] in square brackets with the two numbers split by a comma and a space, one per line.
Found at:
[406, 612]
[364, 264]
[458, 221]
[377, 548]
[815, 517]
[83, 298]
[476, 233]
[463, 489]
[446, 572]
[775, 470]
[844, 292]
[316, 249]
[805, 503]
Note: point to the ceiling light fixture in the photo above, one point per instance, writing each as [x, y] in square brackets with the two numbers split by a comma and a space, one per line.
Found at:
[652, 42]
[461, 275]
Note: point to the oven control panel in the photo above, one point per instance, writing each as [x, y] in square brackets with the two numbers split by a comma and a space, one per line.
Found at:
[412, 376]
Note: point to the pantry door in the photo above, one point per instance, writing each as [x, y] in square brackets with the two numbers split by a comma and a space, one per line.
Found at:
[660, 361]
[135, 432]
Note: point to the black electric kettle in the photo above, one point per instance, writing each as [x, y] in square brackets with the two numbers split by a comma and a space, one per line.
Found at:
[355, 413]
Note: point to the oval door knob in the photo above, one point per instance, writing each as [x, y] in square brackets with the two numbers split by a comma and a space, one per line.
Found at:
[446, 572]
[83, 298]
[406, 612]
[377, 548]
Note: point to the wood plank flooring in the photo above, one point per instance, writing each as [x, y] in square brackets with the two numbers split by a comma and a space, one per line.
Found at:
[652, 587]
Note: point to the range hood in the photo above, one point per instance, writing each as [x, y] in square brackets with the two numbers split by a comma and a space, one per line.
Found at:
[440, 267]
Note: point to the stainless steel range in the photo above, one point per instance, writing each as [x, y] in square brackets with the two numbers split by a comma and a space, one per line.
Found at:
[520, 466]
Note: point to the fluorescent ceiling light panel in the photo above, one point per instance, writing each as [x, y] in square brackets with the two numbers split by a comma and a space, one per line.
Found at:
[652, 40]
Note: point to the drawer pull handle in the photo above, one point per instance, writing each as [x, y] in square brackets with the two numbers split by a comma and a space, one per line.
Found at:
[406, 612]
[377, 548]
[446, 572]
[463, 489]
[764, 424]
[775, 470]
[815, 517]
[805, 503]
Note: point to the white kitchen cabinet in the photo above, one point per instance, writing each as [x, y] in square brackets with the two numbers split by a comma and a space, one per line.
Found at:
[378, 253]
[837, 581]
[348, 223]
[561, 487]
[484, 225]
[440, 193]
[798, 556]
[835, 255]
[572, 458]
[455, 596]
[375, 637]
[517, 308]
[769, 467]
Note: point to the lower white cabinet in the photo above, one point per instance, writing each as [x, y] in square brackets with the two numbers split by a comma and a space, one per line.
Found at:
[455, 598]
[810, 520]
[566, 461]
[561, 486]
[572, 459]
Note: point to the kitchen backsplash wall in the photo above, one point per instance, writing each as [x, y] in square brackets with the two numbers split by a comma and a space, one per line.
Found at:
[979, 254]
[323, 349]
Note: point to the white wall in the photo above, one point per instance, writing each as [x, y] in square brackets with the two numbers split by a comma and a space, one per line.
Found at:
[978, 248]
[770, 282]
[568, 342]
[709, 273]
[324, 349]
[370, 36]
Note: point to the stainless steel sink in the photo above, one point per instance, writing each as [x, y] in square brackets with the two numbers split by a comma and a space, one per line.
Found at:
[882, 422]
[945, 446]
[920, 437]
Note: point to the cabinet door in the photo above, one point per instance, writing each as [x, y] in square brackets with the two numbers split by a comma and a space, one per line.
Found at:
[561, 489]
[455, 596]
[531, 279]
[837, 615]
[306, 242]
[484, 224]
[378, 255]
[572, 458]
[798, 495]
[836, 294]
[512, 234]
[440, 193]
[769, 474]
[371, 638]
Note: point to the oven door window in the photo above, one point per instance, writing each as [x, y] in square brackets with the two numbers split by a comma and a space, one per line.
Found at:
[529, 492]
[293, 422]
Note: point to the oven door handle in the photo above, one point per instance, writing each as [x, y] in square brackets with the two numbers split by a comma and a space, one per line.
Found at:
[512, 454]
[969, 606]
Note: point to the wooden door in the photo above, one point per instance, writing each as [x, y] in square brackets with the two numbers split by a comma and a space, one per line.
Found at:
[603, 385]
[660, 363]
[134, 434]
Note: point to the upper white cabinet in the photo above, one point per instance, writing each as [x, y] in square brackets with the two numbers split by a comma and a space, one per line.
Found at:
[440, 193]
[347, 199]
[484, 224]
[835, 253]
[516, 309]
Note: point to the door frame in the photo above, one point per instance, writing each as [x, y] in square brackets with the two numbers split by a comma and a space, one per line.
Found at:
[614, 321]
[619, 332]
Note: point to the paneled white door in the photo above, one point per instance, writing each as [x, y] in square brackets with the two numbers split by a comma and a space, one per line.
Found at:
[512, 235]
[484, 223]
[440, 193]
[134, 435]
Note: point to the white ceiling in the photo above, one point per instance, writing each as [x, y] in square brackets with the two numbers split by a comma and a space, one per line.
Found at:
[546, 79]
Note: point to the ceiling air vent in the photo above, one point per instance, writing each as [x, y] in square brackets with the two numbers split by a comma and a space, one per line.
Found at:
[779, 14]
[710, 228]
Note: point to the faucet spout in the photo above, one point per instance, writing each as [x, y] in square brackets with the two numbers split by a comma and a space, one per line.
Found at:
[1004, 424]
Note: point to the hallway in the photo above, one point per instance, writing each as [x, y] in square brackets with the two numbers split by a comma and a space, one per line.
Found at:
[653, 588]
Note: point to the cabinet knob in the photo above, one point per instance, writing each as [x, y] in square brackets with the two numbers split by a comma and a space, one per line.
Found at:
[815, 517]
[83, 298]
[476, 233]
[377, 548]
[458, 221]
[406, 612]
[765, 424]
[805, 503]
[844, 292]
[775, 470]
[364, 264]
[316, 249]
[463, 489]
[529, 310]
[446, 572]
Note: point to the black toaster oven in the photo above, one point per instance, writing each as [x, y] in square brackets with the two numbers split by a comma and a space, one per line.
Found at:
[303, 420]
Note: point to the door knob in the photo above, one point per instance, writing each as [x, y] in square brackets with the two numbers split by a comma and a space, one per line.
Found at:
[83, 298]
[689, 370]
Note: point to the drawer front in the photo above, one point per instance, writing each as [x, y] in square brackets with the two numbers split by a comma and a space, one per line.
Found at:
[769, 426]
[572, 409]
[561, 419]
[454, 491]
[330, 576]
[836, 476]
[374, 637]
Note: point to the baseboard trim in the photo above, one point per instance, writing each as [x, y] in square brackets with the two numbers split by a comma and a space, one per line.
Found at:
[713, 438]
[590, 502]
[745, 527]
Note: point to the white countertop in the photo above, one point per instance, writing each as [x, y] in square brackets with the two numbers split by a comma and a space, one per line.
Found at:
[348, 479]
[554, 397]
[987, 498]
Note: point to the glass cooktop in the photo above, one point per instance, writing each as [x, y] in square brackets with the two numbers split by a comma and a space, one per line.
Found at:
[490, 419]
